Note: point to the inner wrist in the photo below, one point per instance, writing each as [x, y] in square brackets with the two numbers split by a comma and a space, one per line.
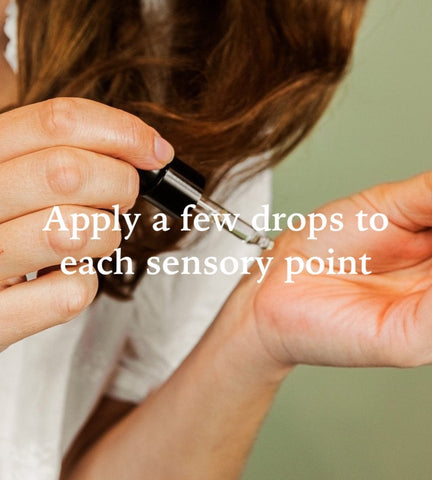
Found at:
[238, 351]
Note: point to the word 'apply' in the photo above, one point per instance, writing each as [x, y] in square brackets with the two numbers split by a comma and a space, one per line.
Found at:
[96, 222]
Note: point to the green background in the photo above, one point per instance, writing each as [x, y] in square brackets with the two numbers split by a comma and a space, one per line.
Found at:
[353, 424]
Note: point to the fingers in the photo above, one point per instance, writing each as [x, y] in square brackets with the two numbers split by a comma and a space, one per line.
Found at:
[26, 247]
[407, 237]
[67, 152]
[85, 124]
[407, 204]
[65, 175]
[49, 300]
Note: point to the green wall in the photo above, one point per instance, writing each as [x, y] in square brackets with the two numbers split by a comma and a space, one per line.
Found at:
[352, 424]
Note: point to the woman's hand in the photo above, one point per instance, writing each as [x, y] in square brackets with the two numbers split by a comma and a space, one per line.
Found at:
[77, 154]
[381, 319]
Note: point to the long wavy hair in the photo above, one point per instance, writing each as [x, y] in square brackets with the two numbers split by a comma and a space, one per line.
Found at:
[222, 80]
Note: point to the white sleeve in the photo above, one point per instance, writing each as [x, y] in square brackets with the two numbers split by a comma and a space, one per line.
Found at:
[171, 312]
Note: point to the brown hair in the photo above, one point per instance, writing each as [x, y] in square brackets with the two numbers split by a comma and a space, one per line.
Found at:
[241, 78]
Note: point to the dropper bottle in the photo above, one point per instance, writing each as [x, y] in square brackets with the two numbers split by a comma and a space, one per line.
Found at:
[177, 185]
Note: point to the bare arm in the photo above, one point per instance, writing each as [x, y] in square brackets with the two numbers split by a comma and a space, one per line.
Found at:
[202, 422]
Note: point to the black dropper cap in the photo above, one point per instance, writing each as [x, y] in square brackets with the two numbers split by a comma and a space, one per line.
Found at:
[172, 188]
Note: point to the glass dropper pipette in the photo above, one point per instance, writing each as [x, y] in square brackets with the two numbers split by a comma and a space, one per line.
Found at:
[177, 185]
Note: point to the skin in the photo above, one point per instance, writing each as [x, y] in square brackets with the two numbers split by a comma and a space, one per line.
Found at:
[77, 154]
[202, 421]
[210, 410]
[382, 319]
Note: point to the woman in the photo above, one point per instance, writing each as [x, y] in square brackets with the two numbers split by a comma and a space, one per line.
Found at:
[224, 82]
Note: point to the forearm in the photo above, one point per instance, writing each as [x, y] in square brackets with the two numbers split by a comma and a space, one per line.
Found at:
[201, 423]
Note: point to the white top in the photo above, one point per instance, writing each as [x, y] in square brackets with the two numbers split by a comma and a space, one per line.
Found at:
[50, 382]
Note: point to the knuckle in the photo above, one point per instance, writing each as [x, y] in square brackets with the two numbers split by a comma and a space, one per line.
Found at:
[78, 235]
[62, 244]
[57, 117]
[60, 241]
[64, 170]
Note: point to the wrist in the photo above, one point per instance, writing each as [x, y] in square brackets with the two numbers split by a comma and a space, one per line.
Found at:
[238, 350]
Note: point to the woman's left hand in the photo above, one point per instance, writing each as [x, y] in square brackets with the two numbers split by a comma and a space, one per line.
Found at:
[381, 319]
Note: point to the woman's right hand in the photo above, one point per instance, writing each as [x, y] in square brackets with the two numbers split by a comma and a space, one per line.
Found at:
[79, 155]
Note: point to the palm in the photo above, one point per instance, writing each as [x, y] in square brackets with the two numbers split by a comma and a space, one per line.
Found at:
[377, 319]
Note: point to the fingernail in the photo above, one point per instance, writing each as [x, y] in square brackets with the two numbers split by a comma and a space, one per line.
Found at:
[164, 151]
